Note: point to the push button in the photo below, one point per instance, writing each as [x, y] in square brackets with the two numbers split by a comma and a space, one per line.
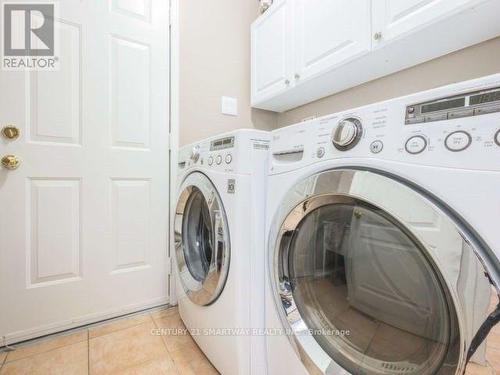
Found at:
[486, 110]
[460, 114]
[229, 159]
[376, 146]
[320, 152]
[210, 160]
[436, 117]
[415, 120]
[416, 144]
[458, 141]
[218, 160]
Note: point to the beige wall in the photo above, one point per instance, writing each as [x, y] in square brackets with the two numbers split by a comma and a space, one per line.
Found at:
[476, 61]
[214, 62]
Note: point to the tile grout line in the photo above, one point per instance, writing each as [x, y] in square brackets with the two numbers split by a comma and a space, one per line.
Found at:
[43, 352]
[87, 339]
[114, 331]
[165, 344]
[89, 326]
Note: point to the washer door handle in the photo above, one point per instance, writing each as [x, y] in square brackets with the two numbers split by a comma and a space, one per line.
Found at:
[218, 241]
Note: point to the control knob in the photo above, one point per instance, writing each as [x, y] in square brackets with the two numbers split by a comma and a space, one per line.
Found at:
[195, 153]
[347, 134]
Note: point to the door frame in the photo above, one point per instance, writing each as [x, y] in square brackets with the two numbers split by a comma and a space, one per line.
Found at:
[174, 140]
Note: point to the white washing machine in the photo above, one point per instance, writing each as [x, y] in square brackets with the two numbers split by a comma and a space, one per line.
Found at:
[219, 239]
[384, 240]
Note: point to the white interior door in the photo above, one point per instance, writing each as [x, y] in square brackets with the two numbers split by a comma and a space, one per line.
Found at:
[394, 18]
[329, 33]
[84, 219]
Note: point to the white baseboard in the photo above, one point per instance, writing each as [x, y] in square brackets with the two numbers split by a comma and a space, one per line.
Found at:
[19, 336]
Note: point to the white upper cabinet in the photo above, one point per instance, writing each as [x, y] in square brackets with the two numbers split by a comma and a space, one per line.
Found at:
[329, 33]
[271, 51]
[395, 18]
[304, 50]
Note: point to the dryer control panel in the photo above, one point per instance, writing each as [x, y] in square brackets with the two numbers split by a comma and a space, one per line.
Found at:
[228, 153]
[456, 126]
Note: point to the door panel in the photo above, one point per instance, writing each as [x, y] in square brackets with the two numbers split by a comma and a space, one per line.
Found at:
[130, 93]
[329, 33]
[54, 230]
[55, 102]
[272, 51]
[394, 18]
[78, 225]
[131, 223]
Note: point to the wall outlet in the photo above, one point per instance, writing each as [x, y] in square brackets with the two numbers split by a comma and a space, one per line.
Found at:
[229, 106]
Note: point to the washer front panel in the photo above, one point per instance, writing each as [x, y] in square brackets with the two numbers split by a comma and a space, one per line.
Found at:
[358, 251]
[202, 243]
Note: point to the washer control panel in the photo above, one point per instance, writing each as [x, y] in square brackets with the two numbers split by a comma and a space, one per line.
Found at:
[456, 126]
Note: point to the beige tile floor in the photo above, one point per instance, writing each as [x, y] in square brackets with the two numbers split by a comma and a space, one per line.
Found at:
[125, 346]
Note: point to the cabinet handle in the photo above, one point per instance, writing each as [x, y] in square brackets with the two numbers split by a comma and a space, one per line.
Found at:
[377, 36]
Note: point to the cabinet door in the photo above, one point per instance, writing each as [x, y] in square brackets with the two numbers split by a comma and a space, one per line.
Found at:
[271, 51]
[394, 18]
[329, 33]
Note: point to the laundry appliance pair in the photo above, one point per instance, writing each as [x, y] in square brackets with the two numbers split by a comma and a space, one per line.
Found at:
[380, 250]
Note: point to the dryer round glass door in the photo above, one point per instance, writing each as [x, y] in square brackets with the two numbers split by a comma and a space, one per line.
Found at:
[202, 240]
[373, 278]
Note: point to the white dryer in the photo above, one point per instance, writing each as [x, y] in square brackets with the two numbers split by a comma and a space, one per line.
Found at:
[384, 242]
[219, 240]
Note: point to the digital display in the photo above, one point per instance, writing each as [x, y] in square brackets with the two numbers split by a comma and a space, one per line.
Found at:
[455, 107]
[440, 106]
[484, 98]
[222, 143]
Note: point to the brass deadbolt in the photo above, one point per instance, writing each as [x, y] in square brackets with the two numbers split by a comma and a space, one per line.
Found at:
[11, 132]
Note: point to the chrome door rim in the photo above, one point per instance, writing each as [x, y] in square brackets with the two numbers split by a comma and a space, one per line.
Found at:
[307, 195]
[206, 292]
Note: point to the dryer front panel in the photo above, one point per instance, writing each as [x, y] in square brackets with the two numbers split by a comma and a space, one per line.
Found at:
[201, 240]
[372, 277]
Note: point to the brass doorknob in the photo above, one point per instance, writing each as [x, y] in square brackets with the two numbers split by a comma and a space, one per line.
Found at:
[11, 132]
[11, 162]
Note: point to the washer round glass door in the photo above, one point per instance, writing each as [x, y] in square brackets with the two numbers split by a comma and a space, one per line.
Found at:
[201, 240]
[371, 277]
